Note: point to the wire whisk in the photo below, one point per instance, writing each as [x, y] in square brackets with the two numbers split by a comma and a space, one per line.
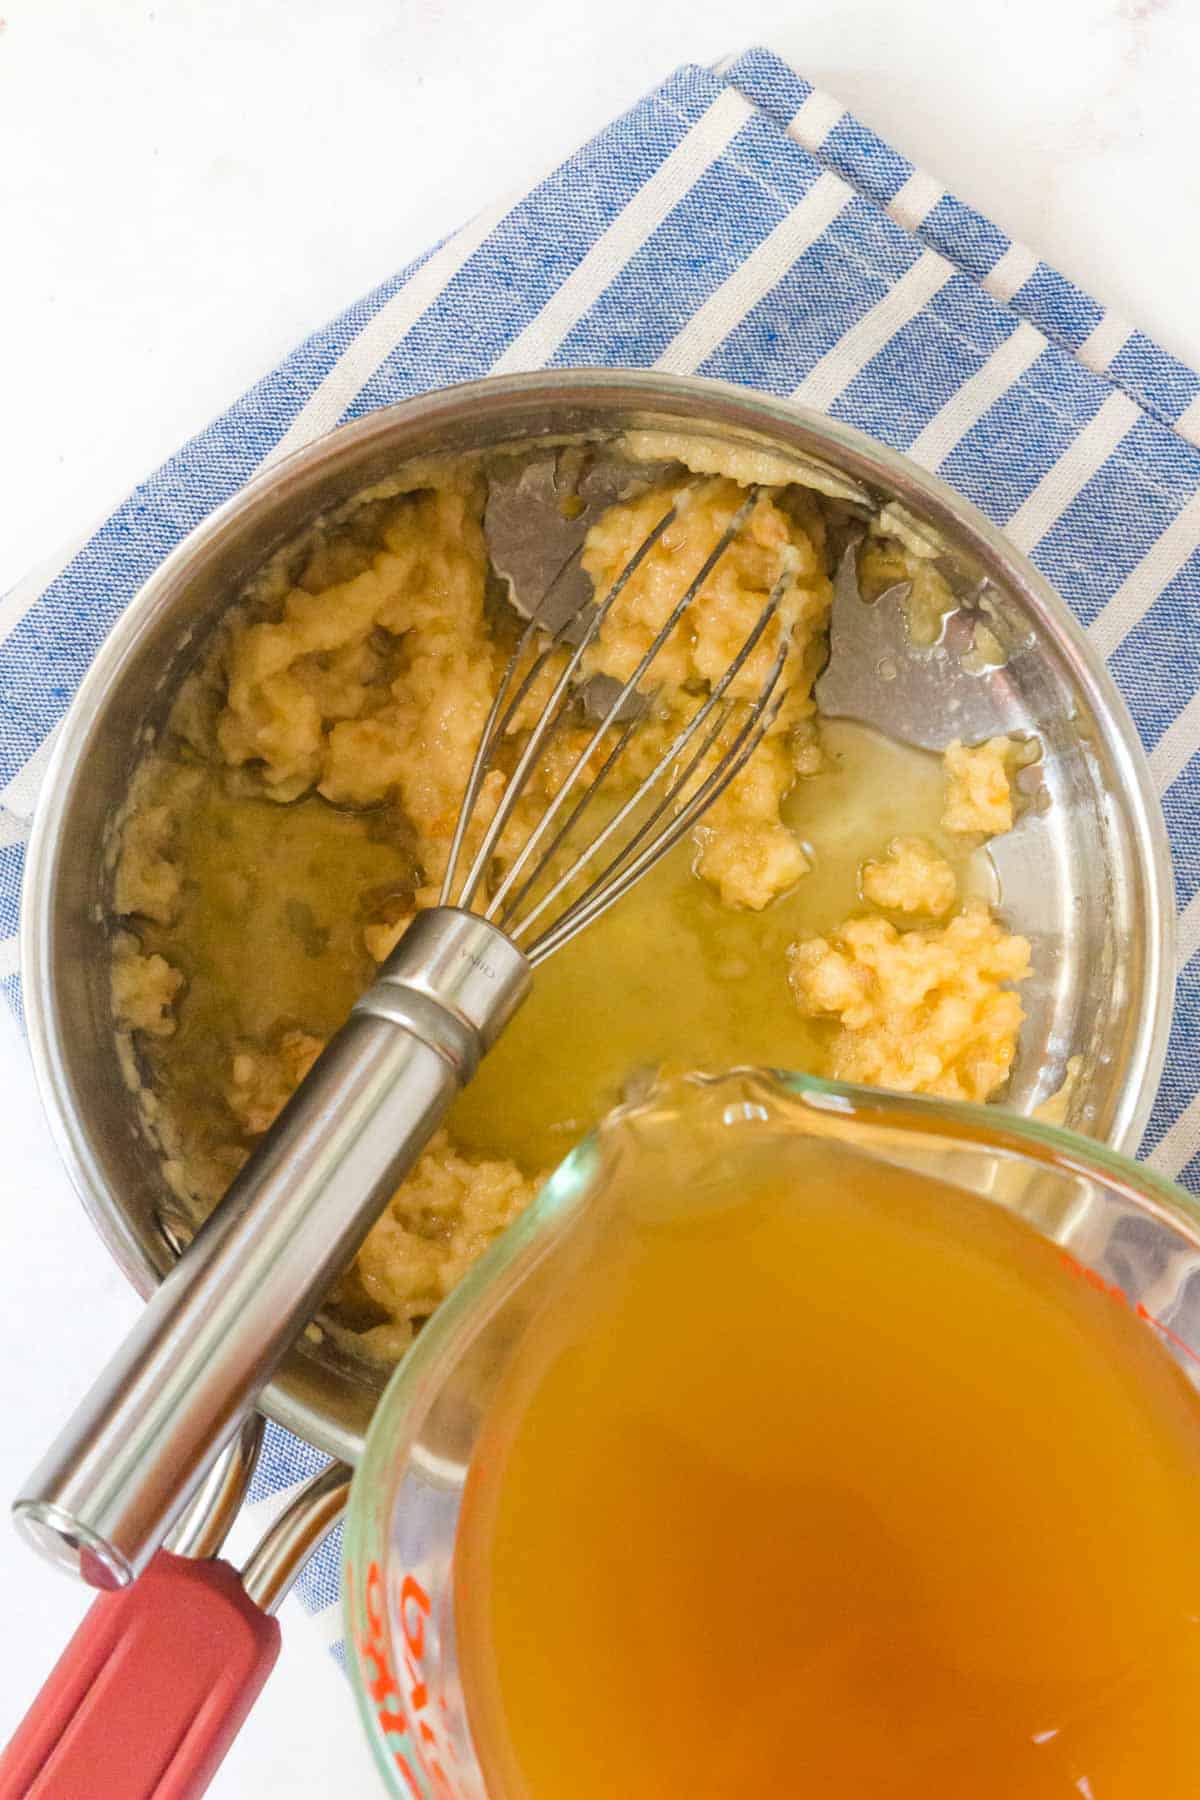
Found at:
[243, 1291]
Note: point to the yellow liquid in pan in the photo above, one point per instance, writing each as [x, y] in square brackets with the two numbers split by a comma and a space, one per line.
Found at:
[670, 977]
[837, 1485]
[271, 934]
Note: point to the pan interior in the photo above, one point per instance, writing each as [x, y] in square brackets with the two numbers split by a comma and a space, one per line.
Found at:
[1073, 873]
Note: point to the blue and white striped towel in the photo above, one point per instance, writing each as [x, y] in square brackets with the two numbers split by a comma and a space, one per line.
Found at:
[740, 224]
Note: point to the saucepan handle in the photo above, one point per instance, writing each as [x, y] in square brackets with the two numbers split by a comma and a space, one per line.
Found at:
[156, 1683]
[150, 1692]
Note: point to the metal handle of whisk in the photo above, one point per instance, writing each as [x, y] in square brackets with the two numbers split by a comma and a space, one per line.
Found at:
[146, 1434]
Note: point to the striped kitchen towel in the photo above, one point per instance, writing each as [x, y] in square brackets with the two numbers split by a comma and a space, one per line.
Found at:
[739, 223]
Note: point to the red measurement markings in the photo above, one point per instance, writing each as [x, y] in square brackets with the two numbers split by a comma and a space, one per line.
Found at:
[400, 1710]
[1095, 1280]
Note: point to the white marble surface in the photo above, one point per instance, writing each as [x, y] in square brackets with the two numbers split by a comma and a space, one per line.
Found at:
[188, 187]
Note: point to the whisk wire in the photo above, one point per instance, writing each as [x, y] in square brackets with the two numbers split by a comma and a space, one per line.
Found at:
[518, 929]
[483, 754]
[496, 725]
[629, 691]
[667, 761]
[547, 720]
[500, 716]
[603, 893]
[513, 904]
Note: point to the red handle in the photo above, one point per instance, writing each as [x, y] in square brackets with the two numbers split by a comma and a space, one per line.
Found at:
[150, 1692]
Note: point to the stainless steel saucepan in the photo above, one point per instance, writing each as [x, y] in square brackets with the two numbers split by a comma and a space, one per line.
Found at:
[1085, 875]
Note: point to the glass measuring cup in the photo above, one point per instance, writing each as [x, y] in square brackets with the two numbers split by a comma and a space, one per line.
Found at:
[1119, 1228]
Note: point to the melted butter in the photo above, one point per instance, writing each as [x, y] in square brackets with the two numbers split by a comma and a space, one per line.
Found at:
[270, 935]
[872, 791]
[670, 977]
[269, 932]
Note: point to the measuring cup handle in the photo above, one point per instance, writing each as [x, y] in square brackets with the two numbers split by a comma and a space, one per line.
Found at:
[150, 1692]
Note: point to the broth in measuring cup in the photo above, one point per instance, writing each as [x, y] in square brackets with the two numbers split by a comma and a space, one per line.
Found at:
[831, 1480]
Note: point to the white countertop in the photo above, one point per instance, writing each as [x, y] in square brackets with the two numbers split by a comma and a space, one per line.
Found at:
[187, 188]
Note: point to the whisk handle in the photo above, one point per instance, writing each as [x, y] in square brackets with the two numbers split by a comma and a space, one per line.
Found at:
[243, 1291]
